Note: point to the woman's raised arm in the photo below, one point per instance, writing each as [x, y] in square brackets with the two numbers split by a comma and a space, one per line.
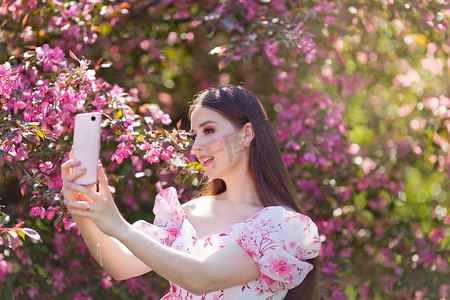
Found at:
[111, 254]
[228, 267]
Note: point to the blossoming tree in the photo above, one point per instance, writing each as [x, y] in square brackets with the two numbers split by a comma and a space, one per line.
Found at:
[357, 91]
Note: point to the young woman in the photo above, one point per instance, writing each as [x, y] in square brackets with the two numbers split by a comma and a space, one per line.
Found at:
[245, 239]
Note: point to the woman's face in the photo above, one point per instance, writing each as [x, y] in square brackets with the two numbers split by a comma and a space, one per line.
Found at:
[218, 144]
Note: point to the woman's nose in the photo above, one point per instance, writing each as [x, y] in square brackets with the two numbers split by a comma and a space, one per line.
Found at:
[198, 145]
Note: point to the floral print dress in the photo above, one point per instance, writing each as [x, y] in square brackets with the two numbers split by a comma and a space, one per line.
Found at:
[278, 240]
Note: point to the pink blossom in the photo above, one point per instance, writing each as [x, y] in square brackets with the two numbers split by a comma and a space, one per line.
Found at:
[78, 295]
[443, 290]
[270, 51]
[388, 257]
[133, 284]
[51, 58]
[364, 289]
[165, 119]
[36, 210]
[123, 151]
[137, 162]
[310, 156]
[418, 123]
[68, 224]
[99, 101]
[329, 267]
[436, 235]
[433, 65]
[377, 203]
[368, 165]
[46, 167]
[166, 154]
[338, 294]
[128, 136]
[5, 268]
[50, 214]
[353, 149]
[346, 252]
[285, 81]
[153, 152]
[58, 280]
[33, 291]
[329, 20]
[407, 79]
[116, 91]
[292, 145]
[289, 158]
[106, 283]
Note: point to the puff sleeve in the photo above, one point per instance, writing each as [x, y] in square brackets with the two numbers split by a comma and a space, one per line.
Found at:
[280, 242]
[169, 217]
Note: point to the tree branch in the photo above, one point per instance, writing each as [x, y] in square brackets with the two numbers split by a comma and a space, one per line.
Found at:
[17, 161]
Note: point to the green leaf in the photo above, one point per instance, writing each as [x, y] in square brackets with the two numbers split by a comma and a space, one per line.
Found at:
[105, 28]
[73, 55]
[32, 234]
[361, 135]
[360, 201]
[40, 134]
[57, 220]
[20, 232]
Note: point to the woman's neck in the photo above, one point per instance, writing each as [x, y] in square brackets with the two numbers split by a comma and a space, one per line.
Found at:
[240, 190]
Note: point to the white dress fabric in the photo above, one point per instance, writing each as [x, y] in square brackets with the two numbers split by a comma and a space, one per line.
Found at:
[278, 240]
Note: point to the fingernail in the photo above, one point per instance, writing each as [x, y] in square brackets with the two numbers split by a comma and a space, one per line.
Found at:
[76, 161]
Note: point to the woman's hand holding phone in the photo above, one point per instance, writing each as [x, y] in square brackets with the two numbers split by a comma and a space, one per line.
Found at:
[83, 201]
[83, 171]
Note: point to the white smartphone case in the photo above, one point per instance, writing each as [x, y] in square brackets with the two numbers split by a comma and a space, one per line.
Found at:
[86, 145]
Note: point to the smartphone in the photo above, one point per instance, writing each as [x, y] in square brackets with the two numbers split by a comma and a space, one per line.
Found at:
[86, 145]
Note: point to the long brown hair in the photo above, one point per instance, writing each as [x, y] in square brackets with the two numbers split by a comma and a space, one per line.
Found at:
[266, 166]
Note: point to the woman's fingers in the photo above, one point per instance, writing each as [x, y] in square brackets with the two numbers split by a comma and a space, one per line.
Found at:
[74, 175]
[84, 191]
[103, 181]
[80, 209]
[67, 166]
[82, 205]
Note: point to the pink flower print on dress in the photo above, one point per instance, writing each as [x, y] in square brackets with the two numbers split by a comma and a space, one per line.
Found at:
[275, 239]
[207, 242]
[307, 227]
[290, 215]
[279, 266]
[269, 281]
[292, 244]
[172, 231]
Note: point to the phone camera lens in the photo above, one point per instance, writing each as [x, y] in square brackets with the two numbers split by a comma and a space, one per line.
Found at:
[93, 118]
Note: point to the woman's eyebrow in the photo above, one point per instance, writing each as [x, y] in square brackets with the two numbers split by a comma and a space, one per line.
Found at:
[204, 124]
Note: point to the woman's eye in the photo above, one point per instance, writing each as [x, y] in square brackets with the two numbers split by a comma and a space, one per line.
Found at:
[208, 131]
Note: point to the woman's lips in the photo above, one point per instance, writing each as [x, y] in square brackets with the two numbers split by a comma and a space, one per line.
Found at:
[206, 160]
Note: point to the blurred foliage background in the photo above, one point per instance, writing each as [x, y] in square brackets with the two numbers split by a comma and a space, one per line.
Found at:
[358, 92]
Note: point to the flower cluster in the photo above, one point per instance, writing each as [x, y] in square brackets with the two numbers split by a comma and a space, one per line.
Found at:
[361, 116]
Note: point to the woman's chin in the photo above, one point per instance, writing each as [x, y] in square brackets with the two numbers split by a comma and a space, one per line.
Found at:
[212, 176]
